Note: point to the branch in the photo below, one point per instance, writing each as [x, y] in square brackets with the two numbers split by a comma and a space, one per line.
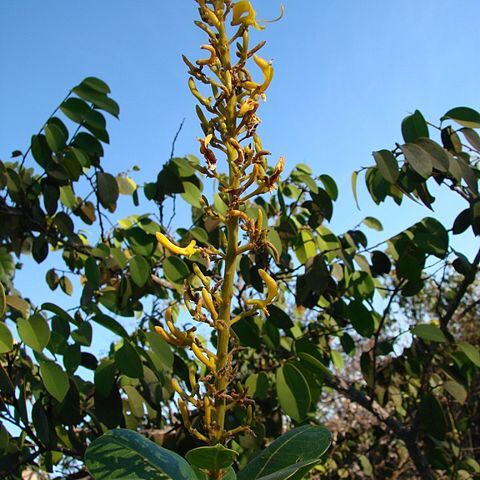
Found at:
[462, 289]
[395, 425]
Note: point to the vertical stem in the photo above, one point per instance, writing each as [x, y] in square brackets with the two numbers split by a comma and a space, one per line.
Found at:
[223, 331]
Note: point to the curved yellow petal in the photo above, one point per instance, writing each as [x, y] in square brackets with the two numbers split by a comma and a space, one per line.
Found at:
[187, 251]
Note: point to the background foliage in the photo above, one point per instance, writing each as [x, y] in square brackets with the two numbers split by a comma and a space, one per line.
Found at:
[336, 346]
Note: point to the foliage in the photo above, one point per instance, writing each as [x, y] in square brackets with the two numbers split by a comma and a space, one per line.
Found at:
[384, 331]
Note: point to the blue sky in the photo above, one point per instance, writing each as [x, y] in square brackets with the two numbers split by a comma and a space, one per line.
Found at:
[346, 73]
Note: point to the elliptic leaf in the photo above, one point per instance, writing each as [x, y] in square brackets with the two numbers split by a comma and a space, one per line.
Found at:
[471, 352]
[293, 392]
[55, 380]
[126, 454]
[387, 165]
[107, 189]
[414, 126]
[139, 270]
[6, 338]
[128, 361]
[418, 159]
[465, 116]
[290, 456]
[175, 269]
[211, 458]
[34, 332]
[429, 332]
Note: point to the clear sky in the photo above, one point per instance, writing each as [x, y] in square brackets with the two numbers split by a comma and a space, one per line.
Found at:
[346, 73]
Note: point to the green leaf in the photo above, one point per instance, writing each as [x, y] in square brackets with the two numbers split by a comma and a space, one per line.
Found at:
[191, 194]
[100, 100]
[361, 318]
[418, 159]
[471, 352]
[330, 186]
[127, 455]
[387, 165]
[3, 301]
[19, 304]
[75, 109]
[92, 272]
[439, 156]
[414, 126]
[465, 116]
[104, 377]
[55, 136]
[135, 400]
[432, 417]
[354, 188]
[373, 223]
[128, 361]
[6, 338]
[279, 318]
[107, 189]
[203, 475]
[55, 380]
[34, 332]
[175, 269]
[211, 458]
[96, 84]
[290, 456]
[456, 390]
[429, 332]
[66, 285]
[161, 349]
[293, 392]
[111, 324]
[139, 270]
[83, 334]
[257, 384]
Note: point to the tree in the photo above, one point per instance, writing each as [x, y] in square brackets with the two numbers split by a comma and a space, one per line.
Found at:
[325, 332]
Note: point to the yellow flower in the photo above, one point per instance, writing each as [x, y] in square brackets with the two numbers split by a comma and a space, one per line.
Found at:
[244, 14]
[267, 70]
[187, 251]
[272, 291]
[247, 106]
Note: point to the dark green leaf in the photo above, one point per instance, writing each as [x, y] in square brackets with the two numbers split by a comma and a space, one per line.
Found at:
[83, 334]
[257, 384]
[56, 138]
[111, 324]
[429, 332]
[6, 338]
[414, 126]
[139, 270]
[175, 269]
[161, 349]
[387, 165]
[105, 377]
[128, 361]
[418, 159]
[361, 318]
[128, 455]
[465, 116]
[290, 456]
[471, 352]
[293, 392]
[279, 318]
[211, 458]
[107, 189]
[92, 272]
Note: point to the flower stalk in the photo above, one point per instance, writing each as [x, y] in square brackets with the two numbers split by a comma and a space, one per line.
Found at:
[229, 99]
